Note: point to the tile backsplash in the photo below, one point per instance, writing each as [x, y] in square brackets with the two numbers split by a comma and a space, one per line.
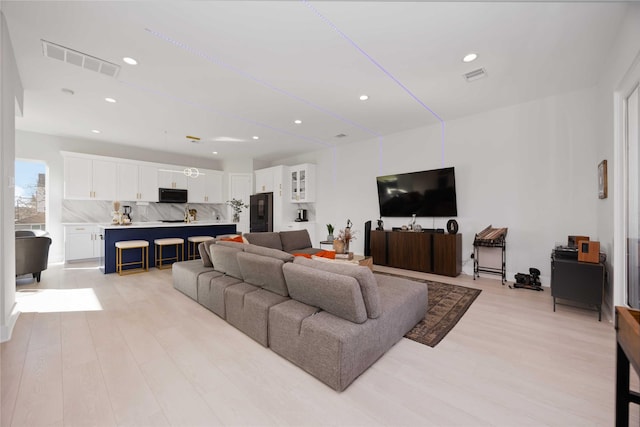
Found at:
[100, 211]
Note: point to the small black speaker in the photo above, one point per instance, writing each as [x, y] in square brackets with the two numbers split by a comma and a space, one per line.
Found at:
[367, 238]
[452, 226]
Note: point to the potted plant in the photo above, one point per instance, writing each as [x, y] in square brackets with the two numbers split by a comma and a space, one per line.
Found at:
[330, 230]
[237, 205]
[341, 244]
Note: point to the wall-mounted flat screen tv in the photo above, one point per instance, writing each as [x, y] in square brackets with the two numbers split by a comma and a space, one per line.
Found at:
[429, 193]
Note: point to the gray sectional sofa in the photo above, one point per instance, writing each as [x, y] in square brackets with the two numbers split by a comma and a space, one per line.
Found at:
[333, 320]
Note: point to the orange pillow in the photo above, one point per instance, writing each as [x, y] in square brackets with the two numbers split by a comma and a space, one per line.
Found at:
[326, 254]
[233, 239]
[304, 255]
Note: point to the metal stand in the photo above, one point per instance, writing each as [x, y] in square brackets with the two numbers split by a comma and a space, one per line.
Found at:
[490, 238]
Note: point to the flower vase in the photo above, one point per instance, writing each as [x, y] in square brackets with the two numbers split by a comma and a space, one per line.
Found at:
[236, 217]
[346, 247]
[330, 238]
[338, 246]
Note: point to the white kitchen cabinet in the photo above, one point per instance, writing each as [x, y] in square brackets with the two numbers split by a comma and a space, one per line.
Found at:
[264, 180]
[206, 188]
[82, 242]
[302, 181]
[137, 182]
[170, 176]
[213, 192]
[89, 179]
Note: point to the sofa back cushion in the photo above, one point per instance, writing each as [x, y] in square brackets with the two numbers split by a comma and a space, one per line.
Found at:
[334, 293]
[231, 244]
[364, 276]
[267, 239]
[264, 272]
[294, 240]
[224, 259]
[272, 253]
[204, 254]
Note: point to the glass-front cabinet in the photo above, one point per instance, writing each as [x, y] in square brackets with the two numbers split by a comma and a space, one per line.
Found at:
[302, 183]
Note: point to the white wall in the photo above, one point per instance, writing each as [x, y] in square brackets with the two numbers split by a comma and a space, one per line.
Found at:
[47, 148]
[11, 97]
[529, 167]
[624, 52]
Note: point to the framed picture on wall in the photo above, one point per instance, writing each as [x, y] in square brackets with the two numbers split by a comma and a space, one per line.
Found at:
[602, 180]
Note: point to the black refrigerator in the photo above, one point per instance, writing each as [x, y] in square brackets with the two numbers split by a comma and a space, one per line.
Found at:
[261, 212]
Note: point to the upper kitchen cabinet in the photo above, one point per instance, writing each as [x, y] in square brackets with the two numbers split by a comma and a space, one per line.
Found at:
[269, 180]
[302, 180]
[206, 187]
[172, 177]
[86, 178]
[137, 182]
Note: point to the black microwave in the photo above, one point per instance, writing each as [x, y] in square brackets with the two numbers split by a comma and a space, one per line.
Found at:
[172, 195]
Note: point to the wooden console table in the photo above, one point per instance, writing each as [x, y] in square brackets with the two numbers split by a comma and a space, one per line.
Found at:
[437, 253]
[627, 354]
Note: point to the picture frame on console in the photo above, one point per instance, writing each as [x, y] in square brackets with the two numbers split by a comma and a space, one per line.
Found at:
[602, 180]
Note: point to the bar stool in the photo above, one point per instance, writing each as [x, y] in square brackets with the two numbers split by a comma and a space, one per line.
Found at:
[122, 245]
[192, 245]
[170, 241]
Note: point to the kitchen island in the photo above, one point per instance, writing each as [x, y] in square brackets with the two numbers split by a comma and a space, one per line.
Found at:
[150, 231]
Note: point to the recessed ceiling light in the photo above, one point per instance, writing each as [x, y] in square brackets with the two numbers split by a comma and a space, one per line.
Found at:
[227, 139]
[214, 152]
[67, 91]
[470, 57]
[95, 131]
[111, 100]
[130, 61]
[256, 137]
[298, 122]
[364, 97]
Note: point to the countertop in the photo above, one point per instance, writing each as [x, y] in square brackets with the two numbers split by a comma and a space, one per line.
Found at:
[156, 224]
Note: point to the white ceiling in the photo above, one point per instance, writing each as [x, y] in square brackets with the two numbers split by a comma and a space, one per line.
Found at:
[238, 69]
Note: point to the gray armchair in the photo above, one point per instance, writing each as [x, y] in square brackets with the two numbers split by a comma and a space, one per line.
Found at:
[32, 254]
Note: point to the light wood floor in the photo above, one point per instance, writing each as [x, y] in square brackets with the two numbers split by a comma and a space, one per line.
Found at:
[133, 351]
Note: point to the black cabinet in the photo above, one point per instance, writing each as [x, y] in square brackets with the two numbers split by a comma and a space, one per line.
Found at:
[576, 281]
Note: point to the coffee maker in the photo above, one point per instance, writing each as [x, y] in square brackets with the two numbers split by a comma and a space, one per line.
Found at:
[302, 215]
[126, 216]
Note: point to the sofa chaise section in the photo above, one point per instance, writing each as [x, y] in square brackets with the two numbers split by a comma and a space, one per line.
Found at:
[334, 349]
[186, 275]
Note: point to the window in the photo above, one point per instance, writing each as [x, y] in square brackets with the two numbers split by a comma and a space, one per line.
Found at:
[30, 195]
[633, 198]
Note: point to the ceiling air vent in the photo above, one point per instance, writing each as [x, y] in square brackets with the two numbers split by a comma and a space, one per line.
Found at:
[79, 59]
[475, 74]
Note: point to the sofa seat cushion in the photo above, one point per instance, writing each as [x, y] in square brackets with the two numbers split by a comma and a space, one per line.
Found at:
[185, 276]
[211, 287]
[248, 307]
[363, 275]
[267, 239]
[272, 253]
[224, 259]
[337, 351]
[335, 293]
[263, 272]
[295, 240]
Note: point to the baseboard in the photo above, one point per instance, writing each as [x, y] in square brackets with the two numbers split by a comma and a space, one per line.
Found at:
[7, 330]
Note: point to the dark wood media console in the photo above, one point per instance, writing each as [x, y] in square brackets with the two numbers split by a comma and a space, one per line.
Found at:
[427, 252]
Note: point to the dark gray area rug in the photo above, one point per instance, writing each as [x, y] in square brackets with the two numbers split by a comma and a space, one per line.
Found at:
[445, 307]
